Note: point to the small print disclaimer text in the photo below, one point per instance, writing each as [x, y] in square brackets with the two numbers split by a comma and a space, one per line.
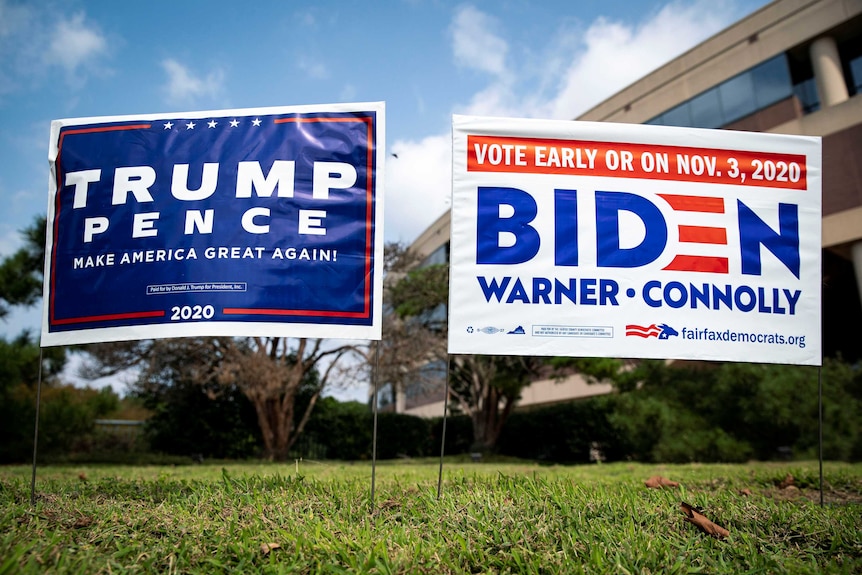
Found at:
[573, 331]
[200, 287]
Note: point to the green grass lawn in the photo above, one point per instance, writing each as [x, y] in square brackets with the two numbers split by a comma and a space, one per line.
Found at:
[495, 517]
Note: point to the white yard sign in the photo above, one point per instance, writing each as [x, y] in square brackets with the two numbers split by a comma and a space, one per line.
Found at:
[608, 240]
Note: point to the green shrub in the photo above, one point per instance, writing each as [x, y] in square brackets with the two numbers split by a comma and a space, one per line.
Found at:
[338, 430]
[459, 434]
[66, 420]
[562, 433]
[187, 422]
[344, 430]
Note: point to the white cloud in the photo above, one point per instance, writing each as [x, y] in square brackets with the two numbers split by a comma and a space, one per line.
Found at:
[306, 19]
[13, 17]
[75, 44]
[313, 68]
[585, 66]
[418, 184]
[614, 55]
[17, 54]
[577, 68]
[21, 319]
[10, 240]
[35, 39]
[348, 93]
[421, 108]
[185, 87]
[474, 43]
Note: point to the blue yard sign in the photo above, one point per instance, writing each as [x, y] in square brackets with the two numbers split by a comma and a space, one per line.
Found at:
[231, 222]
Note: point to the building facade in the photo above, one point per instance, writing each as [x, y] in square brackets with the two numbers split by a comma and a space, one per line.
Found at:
[792, 67]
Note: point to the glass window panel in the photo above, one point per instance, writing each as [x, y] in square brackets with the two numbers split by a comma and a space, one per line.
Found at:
[384, 395]
[706, 110]
[678, 116]
[438, 256]
[807, 93]
[737, 97]
[771, 81]
[657, 121]
[856, 73]
[435, 318]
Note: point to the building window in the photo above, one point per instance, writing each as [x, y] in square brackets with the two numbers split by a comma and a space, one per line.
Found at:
[385, 396]
[856, 75]
[771, 82]
[438, 256]
[678, 116]
[706, 110]
[737, 97]
[744, 94]
[806, 93]
[432, 377]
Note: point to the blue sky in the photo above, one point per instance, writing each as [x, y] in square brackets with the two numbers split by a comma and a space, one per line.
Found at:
[427, 59]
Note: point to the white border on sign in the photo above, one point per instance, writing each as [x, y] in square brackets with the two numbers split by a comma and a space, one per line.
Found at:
[483, 324]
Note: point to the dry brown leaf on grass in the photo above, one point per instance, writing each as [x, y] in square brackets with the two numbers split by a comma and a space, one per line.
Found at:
[693, 515]
[746, 492]
[265, 548]
[658, 482]
[787, 482]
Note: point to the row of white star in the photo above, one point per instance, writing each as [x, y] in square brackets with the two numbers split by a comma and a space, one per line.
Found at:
[211, 124]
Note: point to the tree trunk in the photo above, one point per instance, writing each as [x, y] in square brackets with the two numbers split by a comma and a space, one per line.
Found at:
[305, 417]
[483, 422]
[264, 422]
[283, 424]
[488, 421]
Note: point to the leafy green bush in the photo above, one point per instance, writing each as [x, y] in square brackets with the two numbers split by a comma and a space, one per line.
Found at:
[344, 430]
[66, 420]
[338, 430]
[400, 435]
[562, 433]
[459, 434]
[19, 374]
[737, 411]
[186, 421]
[659, 432]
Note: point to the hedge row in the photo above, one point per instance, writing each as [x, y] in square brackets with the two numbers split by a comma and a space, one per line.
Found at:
[562, 433]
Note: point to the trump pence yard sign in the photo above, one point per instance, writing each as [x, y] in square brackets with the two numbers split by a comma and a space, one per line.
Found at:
[232, 222]
[611, 240]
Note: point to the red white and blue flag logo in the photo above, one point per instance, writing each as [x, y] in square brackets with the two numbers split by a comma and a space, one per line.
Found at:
[660, 331]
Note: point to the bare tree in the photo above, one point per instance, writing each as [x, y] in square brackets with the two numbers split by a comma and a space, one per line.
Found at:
[486, 388]
[406, 349]
[269, 371]
[409, 344]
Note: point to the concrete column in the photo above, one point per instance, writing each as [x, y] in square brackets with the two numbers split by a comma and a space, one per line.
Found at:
[826, 62]
[856, 252]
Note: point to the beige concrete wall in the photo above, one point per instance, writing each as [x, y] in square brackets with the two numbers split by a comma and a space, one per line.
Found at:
[433, 237]
[842, 228]
[542, 392]
[548, 391]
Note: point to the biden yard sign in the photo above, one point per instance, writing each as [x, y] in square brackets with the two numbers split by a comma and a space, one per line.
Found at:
[233, 222]
[611, 240]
